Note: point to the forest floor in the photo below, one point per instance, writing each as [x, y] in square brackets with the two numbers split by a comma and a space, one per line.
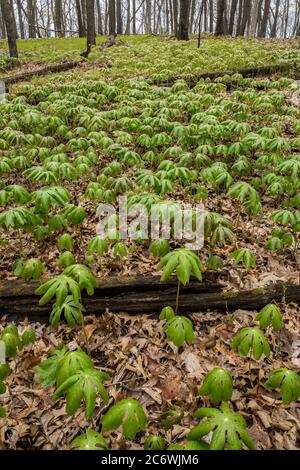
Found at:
[211, 136]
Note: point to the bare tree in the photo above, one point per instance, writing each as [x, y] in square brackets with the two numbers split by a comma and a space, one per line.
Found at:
[112, 17]
[119, 17]
[275, 21]
[253, 19]
[90, 24]
[264, 22]
[233, 11]
[221, 25]
[183, 26]
[10, 26]
[58, 18]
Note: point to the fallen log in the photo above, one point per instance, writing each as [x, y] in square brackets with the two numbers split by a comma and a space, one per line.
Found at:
[245, 72]
[138, 295]
[22, 77]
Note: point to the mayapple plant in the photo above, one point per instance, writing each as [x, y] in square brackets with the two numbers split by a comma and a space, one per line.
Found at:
[128, 414]
[251, 340]
[154, 442]
[270, 315]
[92, 440]
[28, 269]
[289, 383]
[217, 385]
[244, 256]
[185, 263]
[179, 329]
[228, 429]
[12, 340]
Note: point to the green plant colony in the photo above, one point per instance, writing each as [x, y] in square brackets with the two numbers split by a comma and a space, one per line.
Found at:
[152, 144]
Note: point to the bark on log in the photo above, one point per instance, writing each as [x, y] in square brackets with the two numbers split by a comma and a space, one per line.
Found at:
[147, 295]
[22, 77]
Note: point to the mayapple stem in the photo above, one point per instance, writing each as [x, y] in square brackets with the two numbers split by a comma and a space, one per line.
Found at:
[177, 297]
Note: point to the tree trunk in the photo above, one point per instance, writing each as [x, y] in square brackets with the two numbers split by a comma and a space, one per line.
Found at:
[127, 31]
[31, 19]
[99, 15]
[119, 18]
[246, 16]
[274, 26]
[233, 11]
[81, 30]
[58, 18]
[183, 27]
[90, 24]
[21, 23]
[148, 28]
[221, 28]
[10, 25]
[254, 16]
[133, 17]
[175, 17]
[192, 16]
[112, 17]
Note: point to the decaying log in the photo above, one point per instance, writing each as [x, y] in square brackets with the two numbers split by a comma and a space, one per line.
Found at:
[246, 73]
[137, 295]
[22, 77]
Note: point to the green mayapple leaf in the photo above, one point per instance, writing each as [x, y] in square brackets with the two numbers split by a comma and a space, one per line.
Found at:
[251, 340]
[228, 429]
[11, 340]
[160, 248]
[98, 246]
[217, 385]
[184, 262]
[167, 313]
[173, 415]
[289, 383]
[71, 311]
[179, 329]
[83, 276]
[65, 242]
[83, 385]
[245, 257]
[127, 413]
[60, 286]
[46, 371]
[92, 440]
[154, 442]
[28, 269]
[270, 315]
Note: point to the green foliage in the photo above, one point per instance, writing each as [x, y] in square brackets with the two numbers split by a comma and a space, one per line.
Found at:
[83, 385]
[66, 242]
[83, 276]
[289, 383]
[160, 248]
[228, 429]
[270, 315]
[184, 262]
[167, 313]
[92, 440]
[71, 311]
[217, 385]
[172, 416]
[49, 197]
[60, 286]
[28, 269]
[251, 340]
[12, 340]
[47, 370]
[214, 262]
[127, 413]
[66, 259]
[179, 329]
[154, 442]
[98, 246]
[244, 256]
